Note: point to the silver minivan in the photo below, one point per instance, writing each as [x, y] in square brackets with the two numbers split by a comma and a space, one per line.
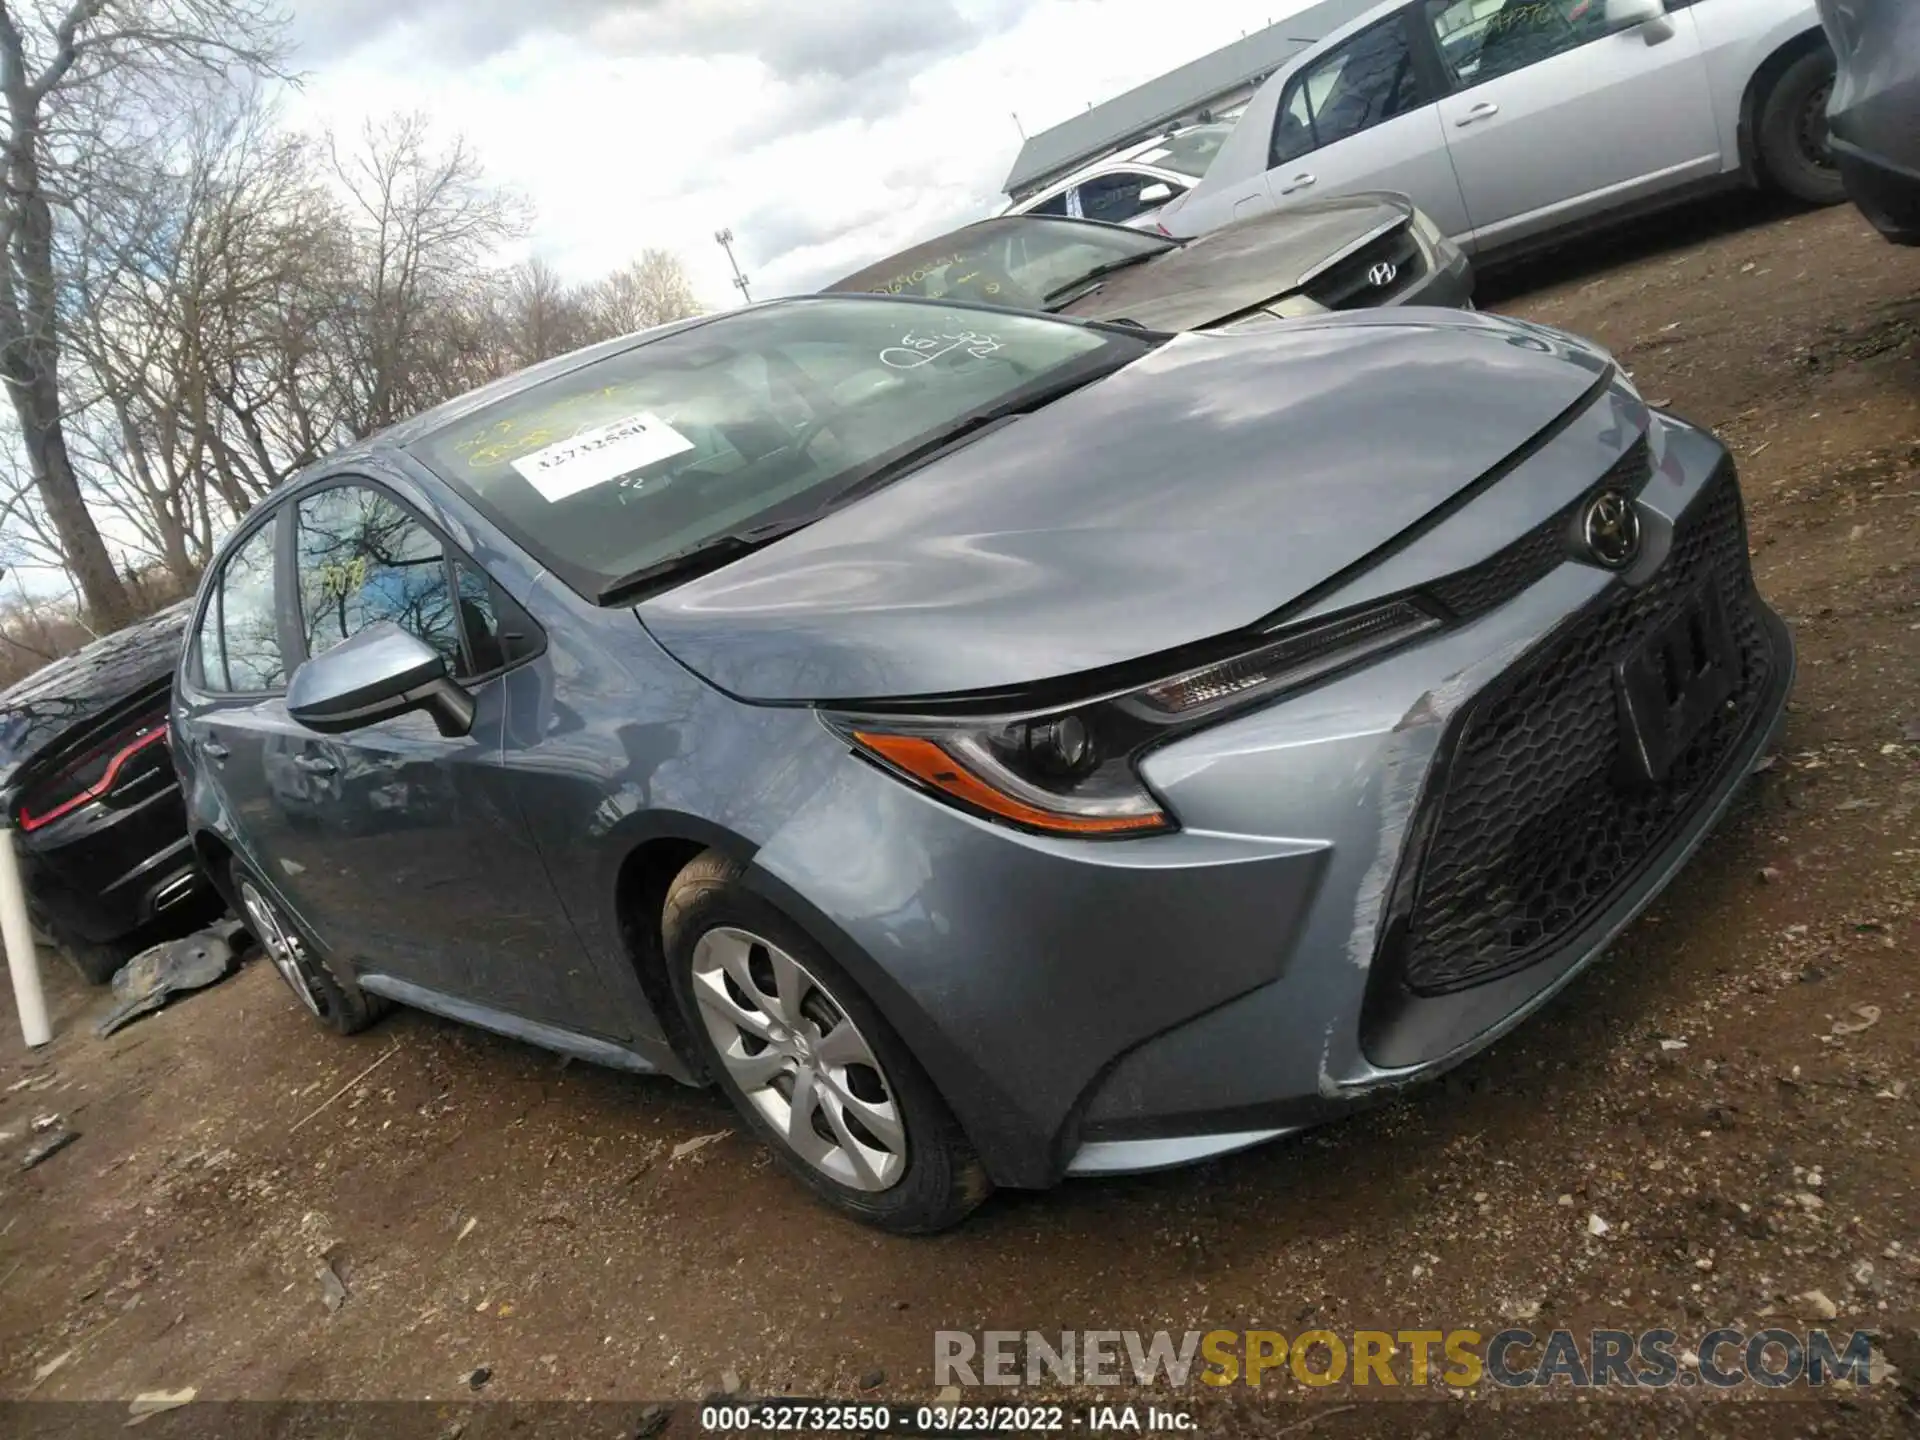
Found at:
[1512, 122]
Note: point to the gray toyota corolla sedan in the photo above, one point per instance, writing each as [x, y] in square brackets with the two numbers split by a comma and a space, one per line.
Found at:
[990, 747]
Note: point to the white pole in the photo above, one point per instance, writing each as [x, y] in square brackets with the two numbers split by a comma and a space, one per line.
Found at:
[23, 961]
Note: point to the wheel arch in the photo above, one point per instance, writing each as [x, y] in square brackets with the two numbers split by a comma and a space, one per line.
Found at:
[644, 875]
[216, 859]
[655, 853]
[1759, 86]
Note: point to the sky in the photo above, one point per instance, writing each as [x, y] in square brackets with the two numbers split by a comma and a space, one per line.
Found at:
[824, 133]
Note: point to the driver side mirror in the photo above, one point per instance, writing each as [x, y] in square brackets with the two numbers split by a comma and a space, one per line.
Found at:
[1650, 15]
[1158, 193]
[378, 674]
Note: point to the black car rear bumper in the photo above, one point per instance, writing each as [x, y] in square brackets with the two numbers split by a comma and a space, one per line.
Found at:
[102, 874]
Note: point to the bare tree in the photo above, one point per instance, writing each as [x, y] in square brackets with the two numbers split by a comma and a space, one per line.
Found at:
[59, 64]
[210, 303]
[652, 290]
[542, 315]
[421, 223]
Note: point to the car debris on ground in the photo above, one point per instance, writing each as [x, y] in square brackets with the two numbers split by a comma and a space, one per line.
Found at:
[154, 976]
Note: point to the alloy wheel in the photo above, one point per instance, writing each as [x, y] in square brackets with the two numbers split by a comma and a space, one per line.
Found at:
[799, 1059]
[282, 946]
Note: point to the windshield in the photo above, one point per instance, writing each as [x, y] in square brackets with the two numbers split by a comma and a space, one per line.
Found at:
[1188, 152]
[1016, 260]
[743, 420]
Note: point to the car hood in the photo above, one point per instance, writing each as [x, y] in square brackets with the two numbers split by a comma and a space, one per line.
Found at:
[1230, 271]
[1185, 496]
[38, 713]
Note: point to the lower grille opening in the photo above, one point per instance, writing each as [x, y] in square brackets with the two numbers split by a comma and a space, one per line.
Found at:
[1538, 825]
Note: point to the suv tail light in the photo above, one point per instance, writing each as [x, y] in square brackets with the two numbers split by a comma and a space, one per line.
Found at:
[94, 773]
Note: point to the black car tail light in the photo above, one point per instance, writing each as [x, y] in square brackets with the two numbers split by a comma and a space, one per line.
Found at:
[94, 773]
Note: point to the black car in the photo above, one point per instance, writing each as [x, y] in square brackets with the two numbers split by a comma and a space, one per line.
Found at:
[1350, 253]
[90, 790]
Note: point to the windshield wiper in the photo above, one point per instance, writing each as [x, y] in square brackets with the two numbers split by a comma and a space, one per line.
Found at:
[969, 428]
[1087, 281]
[708, 554]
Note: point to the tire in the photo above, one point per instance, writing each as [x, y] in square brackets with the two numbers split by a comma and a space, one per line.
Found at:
[723, 942]
[1792, 132]
[333, 1000]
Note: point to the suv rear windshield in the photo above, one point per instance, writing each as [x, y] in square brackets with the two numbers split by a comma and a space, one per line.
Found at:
[631, 460]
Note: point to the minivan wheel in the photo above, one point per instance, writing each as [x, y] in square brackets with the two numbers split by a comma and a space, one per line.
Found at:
[342, 1007]
[808, 1062]
[1792, 134]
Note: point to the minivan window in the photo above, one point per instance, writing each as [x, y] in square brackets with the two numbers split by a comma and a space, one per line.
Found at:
[1370, 79]
[617, 466]
[250, 659]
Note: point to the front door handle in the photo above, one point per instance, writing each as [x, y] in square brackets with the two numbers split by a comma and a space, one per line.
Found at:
[1299, 182]
[316, 764]
[1485, 110]
[214, 751]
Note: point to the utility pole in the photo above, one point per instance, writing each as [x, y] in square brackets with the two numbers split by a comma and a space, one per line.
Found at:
[724, 238]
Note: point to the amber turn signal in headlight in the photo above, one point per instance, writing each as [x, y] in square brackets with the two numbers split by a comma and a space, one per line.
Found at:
[1075, 770]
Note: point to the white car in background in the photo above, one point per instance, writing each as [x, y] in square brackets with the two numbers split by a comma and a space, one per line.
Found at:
[1513, 122]
[1130, 186]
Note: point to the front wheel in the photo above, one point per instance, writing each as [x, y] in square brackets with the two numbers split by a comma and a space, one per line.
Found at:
[809, 1063]
[1792, 133]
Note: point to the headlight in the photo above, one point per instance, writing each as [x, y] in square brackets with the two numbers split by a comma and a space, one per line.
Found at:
[1074, 770]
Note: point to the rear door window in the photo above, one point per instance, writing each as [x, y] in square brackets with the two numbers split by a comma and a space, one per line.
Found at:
[1370, 79]
[248, 658]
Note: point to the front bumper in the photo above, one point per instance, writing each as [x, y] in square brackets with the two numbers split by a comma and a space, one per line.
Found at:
[1088, 1007]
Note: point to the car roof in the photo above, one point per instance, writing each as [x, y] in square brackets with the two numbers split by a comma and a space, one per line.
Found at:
[68, 693]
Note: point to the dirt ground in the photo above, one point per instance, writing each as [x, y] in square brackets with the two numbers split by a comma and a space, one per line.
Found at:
[1733, 1091]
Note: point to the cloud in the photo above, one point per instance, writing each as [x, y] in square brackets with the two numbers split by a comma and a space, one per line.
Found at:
[842, 39]
[825, 133]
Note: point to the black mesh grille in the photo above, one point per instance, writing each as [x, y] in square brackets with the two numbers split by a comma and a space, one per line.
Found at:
[1349, 284]
[1537, 828]
[1504, 574]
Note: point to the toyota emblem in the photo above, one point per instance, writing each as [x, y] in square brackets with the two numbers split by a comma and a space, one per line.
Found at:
[1383, 274]
[1612, 529]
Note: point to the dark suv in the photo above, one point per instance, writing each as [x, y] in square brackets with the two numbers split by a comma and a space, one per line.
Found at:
[90, 788]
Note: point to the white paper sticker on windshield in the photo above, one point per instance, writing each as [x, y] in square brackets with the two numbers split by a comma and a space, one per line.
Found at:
[606, 452]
